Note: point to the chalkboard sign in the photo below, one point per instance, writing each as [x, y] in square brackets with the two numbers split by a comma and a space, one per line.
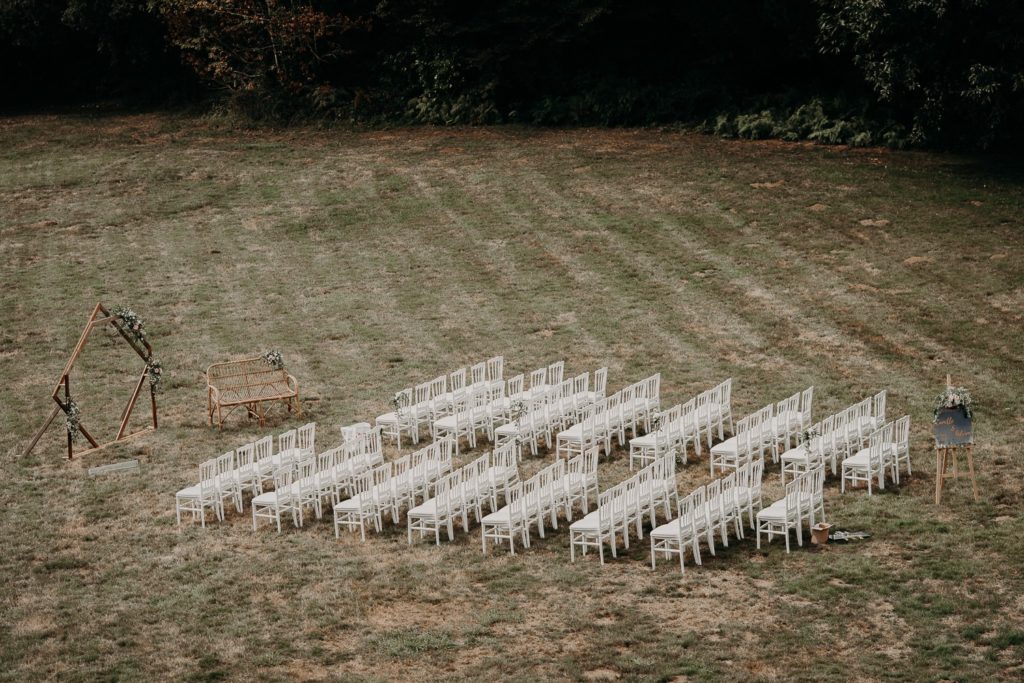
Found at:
[952, 428]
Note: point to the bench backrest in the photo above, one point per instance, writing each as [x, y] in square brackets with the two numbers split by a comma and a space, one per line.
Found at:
[243, 373]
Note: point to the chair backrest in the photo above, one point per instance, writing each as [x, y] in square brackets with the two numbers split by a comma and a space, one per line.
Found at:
[687, 417]
[878, 405]
[326, 461]
[794, 492]
[264, 448]
[788, 406]
[806, 400]
[756, 476]
[306, 437]
[723, 393]
[699, 497]
[421, 395]
[581, 384]
[714, 497]
[514, 387]
[728, 493]
[305, 470]
[538, 377]
[555, 372]
[226, 464]
[438, 386]
[901, 433]
[457, 379]
[496, 368]
[879, 442]
[283, 482]
[651, 389]
[286, 441]
[349, 432]
[478, 373]
[601, 382]
[208, 476]
[245, 456]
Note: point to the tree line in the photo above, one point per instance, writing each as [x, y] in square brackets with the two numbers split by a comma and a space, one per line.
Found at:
[944, 73]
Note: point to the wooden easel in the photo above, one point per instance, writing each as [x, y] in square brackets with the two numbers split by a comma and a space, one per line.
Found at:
[946, 463]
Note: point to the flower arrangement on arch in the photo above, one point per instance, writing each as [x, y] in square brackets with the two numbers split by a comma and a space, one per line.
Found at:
[954, 397]
[135, 325]
[155, 371]
[71, 419]
[274, 359]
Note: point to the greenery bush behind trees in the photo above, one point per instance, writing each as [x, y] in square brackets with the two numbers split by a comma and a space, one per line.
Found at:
[903, 72]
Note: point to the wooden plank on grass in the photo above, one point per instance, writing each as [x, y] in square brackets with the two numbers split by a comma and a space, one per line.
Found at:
[123, 466]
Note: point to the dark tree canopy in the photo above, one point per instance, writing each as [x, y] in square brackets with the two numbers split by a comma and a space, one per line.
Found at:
[927, 72]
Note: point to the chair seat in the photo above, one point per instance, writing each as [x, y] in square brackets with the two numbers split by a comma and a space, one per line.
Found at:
[667, 530]
[574, 433]
[727, 447]
[776, 512]
[500, 517]
[510, 429]
[194, 491]
[350, 504]
[447, 424]
[269, 498]
[798, 455]
[591, 522]
[387, 418]
[645, 441]
[426, 509]
[859, 460]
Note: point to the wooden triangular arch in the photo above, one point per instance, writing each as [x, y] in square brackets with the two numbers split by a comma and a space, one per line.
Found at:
[100, 316]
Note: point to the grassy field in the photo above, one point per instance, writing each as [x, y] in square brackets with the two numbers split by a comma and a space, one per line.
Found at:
[375, 260]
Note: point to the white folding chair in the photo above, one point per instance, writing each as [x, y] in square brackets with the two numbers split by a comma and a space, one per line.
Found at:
[206, 494]
[901, 446]
[507, 523]
[273, 504]
[675, 536]
[868, 464]
[782, 515]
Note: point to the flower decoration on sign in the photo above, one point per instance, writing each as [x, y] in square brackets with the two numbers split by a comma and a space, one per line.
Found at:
[274, 359]
[156, 374]
[954, 397]
[135, 325]
[71, 418]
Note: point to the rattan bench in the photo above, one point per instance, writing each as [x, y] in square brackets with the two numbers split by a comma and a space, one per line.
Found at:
[248, 383]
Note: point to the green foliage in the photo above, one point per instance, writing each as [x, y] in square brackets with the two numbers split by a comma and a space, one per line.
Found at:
[953, 70]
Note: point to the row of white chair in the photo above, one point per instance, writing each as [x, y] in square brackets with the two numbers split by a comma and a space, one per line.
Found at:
[558, 486]
[332, 474]
[551, 411]
[764, 430]
[429, 401]
[838, 436]
[246, 468]
[803, 500]
[625, 505]
[612, 416]
[463, 491]
[707, 509]
[682, 424]
[391, 486]
[888, 447]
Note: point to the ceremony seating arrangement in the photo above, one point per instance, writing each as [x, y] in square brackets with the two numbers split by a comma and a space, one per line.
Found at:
[283, 475]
